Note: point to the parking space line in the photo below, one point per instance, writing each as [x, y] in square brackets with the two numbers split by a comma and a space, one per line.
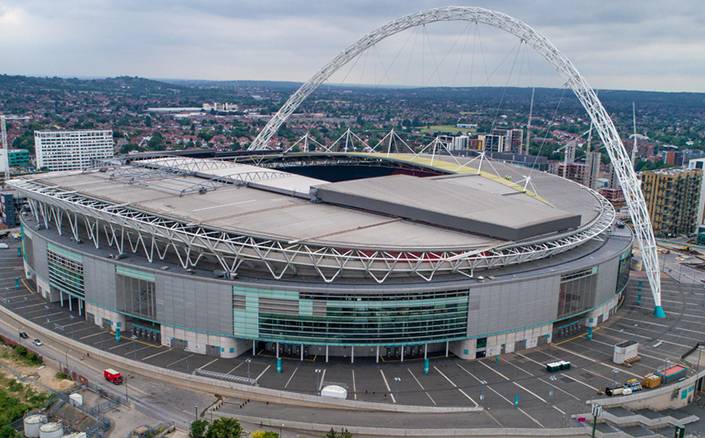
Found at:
[28, 306]
[531, 360]
[531, 418]
[483, 382]
[214, 360]
[493, 370]
[177, 360]
[530, 392]
[582, 383]
[560, 389]
[641, 352]
[597, 361]
[354, 387]
[421, 386]
[236, 367]
[120, 345]
[558, 409]
[155, 354]
[290, 377]
[264, 371]
[90, 336]
[517, 367]
[387, 385]
[647, 337]
[455, 386]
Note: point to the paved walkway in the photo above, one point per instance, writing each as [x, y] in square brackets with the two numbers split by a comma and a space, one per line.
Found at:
[496, 384]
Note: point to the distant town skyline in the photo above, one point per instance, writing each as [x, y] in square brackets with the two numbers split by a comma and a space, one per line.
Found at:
[652, 45]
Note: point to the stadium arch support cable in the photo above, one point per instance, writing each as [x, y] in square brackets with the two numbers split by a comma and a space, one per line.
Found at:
[586, 95]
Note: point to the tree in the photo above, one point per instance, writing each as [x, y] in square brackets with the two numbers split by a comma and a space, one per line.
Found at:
[199, 428]
[148, 121]
[342, 434]
[264, 434]
[224, 428]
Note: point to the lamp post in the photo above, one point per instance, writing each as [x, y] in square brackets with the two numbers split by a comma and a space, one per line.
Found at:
[195, 411]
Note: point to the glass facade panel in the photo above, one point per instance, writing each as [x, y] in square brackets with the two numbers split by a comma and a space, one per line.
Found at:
[319, 318]
[623, 273]
[136, 296]
[577, 292]
[65, 274]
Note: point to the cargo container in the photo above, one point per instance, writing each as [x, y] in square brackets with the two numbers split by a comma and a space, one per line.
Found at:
[672, 374]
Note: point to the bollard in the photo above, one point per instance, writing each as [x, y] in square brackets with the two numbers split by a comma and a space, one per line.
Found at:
[589, 334]
[17, 283]
[516, 400]
[280, 368]
[19, 251]
[117, 332]
[426, 366]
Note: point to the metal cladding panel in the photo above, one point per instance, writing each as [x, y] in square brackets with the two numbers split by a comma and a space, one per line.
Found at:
[444, 204]
[195, 304]
[40, 259]
[607, 280]
[99, 282]
[503, 307]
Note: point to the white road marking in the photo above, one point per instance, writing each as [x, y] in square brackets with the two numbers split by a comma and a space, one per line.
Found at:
[530, 392]
[354, 387]
[91, 335]
[493, 370]
[214, 360]
[646, 337]
[456, 386]
[290, 377]
[517, 367]
[120, 345]
[512, 404]
[581, 382]
[422, 388]
[387, 385]
[560, 389]
[262, 373]
[484, 382]
[320, 383]
[559, 410]
[156, 354]
[235, 367]
[597, 361]
[179, 360]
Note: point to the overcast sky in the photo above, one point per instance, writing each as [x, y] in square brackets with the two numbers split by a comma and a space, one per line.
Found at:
[648, 45]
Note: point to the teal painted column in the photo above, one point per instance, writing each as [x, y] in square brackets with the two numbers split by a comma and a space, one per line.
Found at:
[426, 366]
[589, 334]
[17, 283]
[280, 367]
[659, 312]
[117, 332]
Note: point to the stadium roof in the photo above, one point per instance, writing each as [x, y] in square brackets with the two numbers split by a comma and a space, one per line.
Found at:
[464, 212]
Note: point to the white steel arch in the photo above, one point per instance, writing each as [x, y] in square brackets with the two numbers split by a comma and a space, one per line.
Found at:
[600, 119]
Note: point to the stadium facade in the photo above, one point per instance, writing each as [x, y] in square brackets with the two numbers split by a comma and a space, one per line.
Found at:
[298, 254]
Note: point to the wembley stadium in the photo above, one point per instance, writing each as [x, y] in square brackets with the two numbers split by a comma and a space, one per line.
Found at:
[374, 255]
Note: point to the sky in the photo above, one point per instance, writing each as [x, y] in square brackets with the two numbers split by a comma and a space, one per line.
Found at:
[642, 45]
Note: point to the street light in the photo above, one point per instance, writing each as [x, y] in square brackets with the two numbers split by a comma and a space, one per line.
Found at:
[195, 410]
[247, 361]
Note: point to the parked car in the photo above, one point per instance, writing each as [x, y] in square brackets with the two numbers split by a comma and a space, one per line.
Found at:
[24, 335]
[38, 342]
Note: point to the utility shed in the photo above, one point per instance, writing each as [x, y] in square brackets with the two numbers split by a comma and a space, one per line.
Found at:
[481, 206]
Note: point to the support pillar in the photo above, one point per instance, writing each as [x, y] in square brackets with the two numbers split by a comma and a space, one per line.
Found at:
[447, 347]
[302, 352]
[425, 351]
[377, 355]
[326, 354]
[589, 334]
[352, 354]
[70, 304]
[61, 299]
[402, 353]
[277, 350]
[254, 347]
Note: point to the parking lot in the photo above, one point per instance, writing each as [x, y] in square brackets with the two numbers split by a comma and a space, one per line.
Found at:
[504, 386]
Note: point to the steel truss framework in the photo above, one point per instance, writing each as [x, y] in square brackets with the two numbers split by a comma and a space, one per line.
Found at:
[585, 94]
[127, 229]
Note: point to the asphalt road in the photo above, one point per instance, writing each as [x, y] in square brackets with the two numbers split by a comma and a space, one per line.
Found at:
[514, 389]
